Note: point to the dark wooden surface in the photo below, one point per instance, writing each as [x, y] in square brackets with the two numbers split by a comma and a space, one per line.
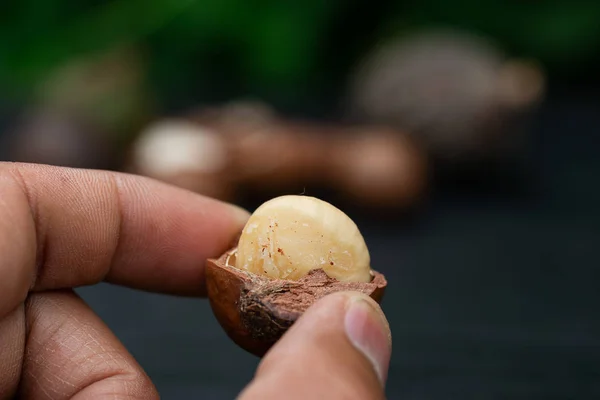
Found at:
[491, 295]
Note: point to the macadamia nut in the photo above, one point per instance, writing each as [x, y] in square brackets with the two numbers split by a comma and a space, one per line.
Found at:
[289, 236]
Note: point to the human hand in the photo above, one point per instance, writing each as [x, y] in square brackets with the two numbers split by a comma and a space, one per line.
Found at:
[62, 228]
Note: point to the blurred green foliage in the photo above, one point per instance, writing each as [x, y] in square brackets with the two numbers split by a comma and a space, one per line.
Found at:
[561, 33]
[183, 39]
[270, 46]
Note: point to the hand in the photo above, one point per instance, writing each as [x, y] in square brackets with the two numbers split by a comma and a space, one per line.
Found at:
[62, 228]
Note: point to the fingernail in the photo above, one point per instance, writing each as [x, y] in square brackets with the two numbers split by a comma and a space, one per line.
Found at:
[368, 330]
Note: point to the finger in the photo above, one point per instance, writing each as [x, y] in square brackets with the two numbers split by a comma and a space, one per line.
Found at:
[64, 227]
[339, 349]
[70, 353]
[12, 345]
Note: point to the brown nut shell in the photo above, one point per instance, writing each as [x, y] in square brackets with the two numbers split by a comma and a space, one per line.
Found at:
[256, 311]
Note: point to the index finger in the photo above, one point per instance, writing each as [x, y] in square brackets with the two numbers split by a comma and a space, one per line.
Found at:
[62, 227]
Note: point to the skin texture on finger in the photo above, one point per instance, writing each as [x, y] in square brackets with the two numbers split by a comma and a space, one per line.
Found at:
[63, 227]
[316, 360]
[71, 354]
[17, 245]
[12, 345]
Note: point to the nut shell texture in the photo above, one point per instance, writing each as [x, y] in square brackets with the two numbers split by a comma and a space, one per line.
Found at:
[255, 311]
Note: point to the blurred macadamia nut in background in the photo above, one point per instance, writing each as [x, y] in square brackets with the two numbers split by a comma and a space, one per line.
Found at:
[183, 154]
[380, 168]
[455, 92]
[283, 155]
[236, 118]
[245, 148]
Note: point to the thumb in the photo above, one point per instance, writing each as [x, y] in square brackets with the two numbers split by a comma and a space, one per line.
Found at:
[339, 349]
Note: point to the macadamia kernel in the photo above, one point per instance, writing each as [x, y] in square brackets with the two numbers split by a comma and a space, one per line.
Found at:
[289, 236]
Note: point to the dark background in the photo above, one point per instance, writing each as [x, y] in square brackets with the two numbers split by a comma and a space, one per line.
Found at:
[493, 283]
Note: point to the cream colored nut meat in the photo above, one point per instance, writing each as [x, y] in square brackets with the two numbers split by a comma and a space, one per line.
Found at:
[288, 236]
